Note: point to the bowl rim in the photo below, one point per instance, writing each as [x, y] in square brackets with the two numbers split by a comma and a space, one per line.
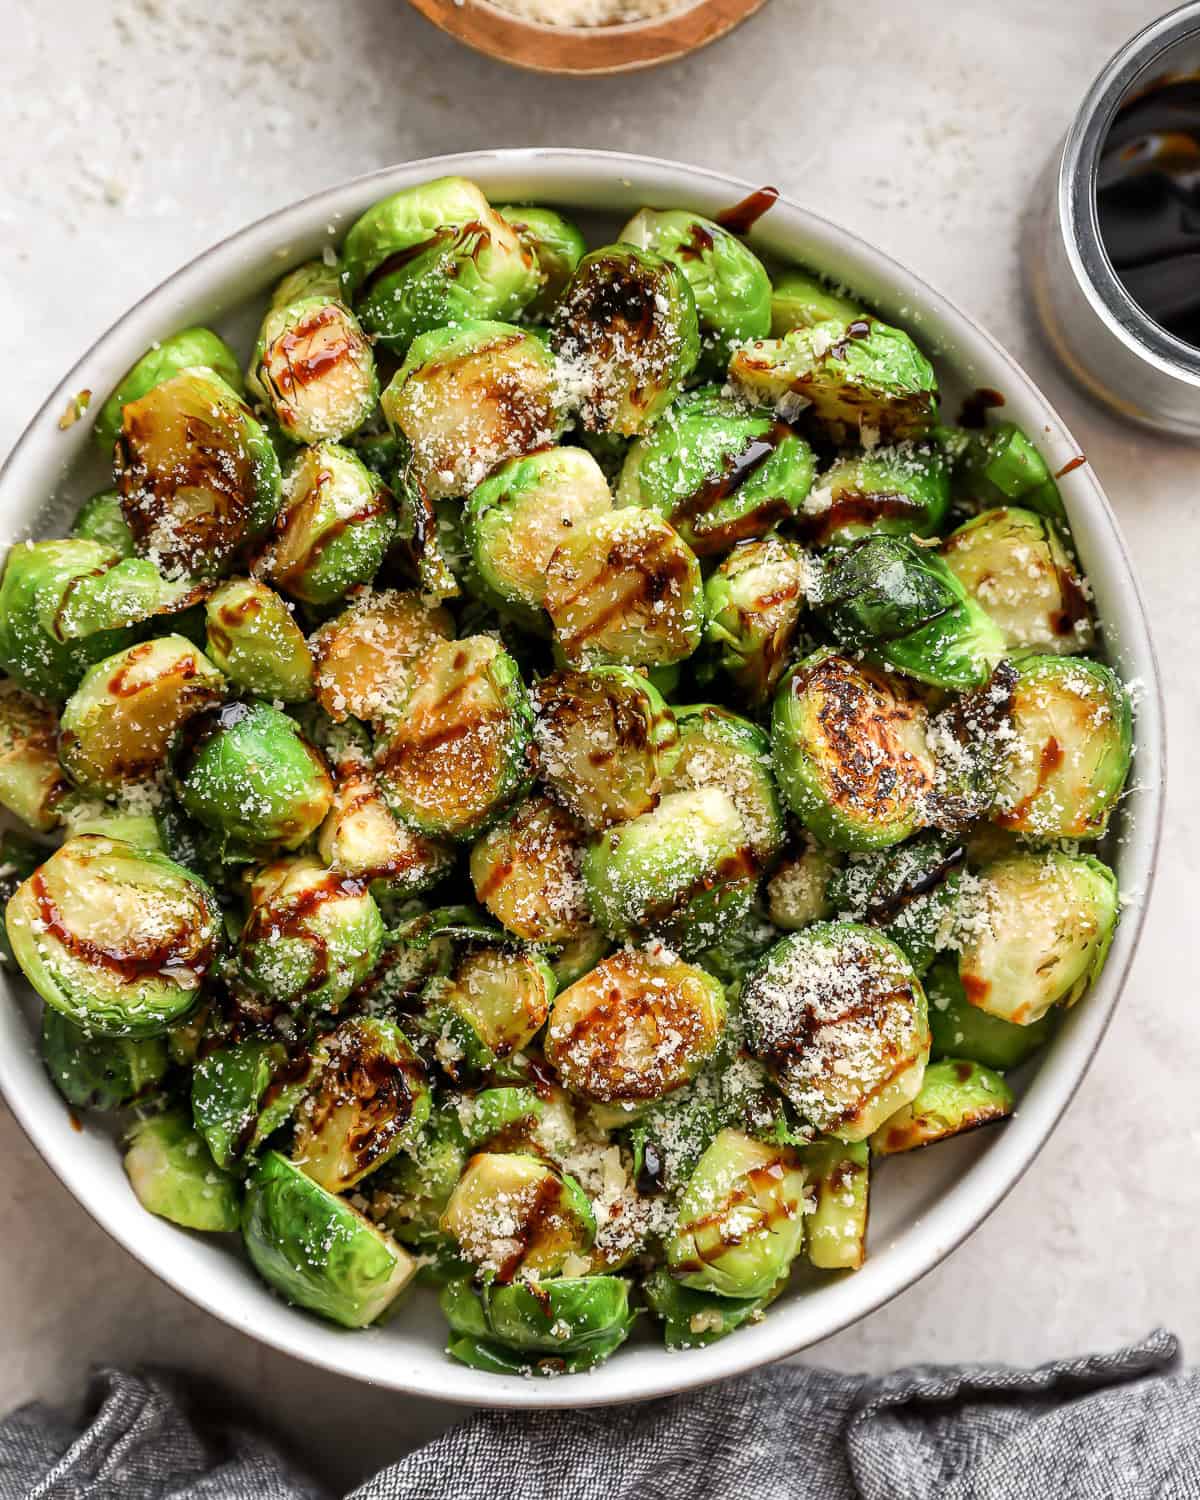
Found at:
[972, 1196]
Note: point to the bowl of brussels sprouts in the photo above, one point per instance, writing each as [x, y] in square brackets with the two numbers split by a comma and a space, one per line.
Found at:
[546, 749]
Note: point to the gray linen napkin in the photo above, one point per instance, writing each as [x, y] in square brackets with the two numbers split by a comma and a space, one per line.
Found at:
[1122, 1426]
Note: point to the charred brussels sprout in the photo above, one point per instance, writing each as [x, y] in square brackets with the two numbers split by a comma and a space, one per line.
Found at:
[1040, 932]
[566, 1326]
[741, 1218]
[910, 893]
[242, 1093]
[802, 301]
[839, 1176]
[254, 639]
[961, 1029]
[469, 397]
[754, 602]
[860, 380]
[625, 588]
[527, 871]
[839, 1018]
[1000, 466]
[850, 753]
[197, 474]
[459, 753]
[717, 749]
[798, 891]
[192, 348]
[627, 330]
[173, 1175]
[956, 1096]
[316, 1250]
[102, 520]
[557, 248]
[117, 725]
[99, 1072]
[434, 255]
[362, 839]
[899, 491]
[1065, 759]
[493, 1005]
[116, 938]
[32, 786]
[313, 366]
[718, 472]
[366, 656]
[513, 1214]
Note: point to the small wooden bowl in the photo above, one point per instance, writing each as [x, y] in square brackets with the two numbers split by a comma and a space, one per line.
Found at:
[585, 49]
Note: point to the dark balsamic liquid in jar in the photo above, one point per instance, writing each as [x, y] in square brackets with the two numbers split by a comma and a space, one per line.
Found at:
[1148, 202]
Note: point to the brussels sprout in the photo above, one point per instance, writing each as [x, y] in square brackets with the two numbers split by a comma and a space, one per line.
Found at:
[798, 891]
[460, 753]
[862, 380]
[638, 1026]
[627, 330]
[683, 873]
[903, 607]
[117, 725]
[692, 1319]
[255, 641]
[728, 281]
[173, 1175]
[365, 657]
[564, 1326]
[420, 945]
[899, 491]
[602, 740]
[468, 397]
[313, 366]
[197, 474]
[625, 588]
[961, 1029]
[754, 602]
[318, 1251]
[513, 1214]
[517, 518]
[101, 519]
[99, 1072]
[1000, 466]
[434, 255]
[493, 1117]
[409, 1193]
[312, 278]
[838, 1174]
[1038, 934]
[312, 935]
[717, 749]
[718, 472]
[909, 892]
[527, 872]
[956, 1096]
[741, 1218]
[839, 1018]
[802, 301]
[189, 349]
[1066, 756]
[362, 839]
[116, 938]
[32, 786]
[1015, 564]
[579, 955]
[492, 1006]
[242, 1093]
[850, 753]
[557, 247]
[244, 772]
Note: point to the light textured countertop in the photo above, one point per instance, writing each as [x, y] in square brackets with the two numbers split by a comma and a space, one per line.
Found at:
[138, 132]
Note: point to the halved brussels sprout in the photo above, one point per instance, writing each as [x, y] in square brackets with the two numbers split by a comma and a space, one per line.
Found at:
[314, 367]
[362, 839]
[243, 1092]
[602, 740]
[469, 396]
[728, 281]
[741, 1218]
[566, 1326]
[1065, 758]
[334, 528]
[840, 1019]
[955, 1097]
[898, 491]
[717, 749]
[1015, 564]
[173, 1175]
[798, 891]
[312, 935]
[365, 656]
[366, 1098]
[684, 873]
[1000, 466]
[1039, 931]
[557, 247]
[639, 1026]
[101, 519]
[116, 938]
[692, 1319]
[117, 725]
[902, 606]
[420, 945]
[311, 278]
[512, 1214]
[626, 329]
[494, 1117]
[254, 639]
[961, 1029]
[460, 752]
[99, 1072]
[850, 753]
[197, 474]
[408, 1195]
[493, 1005]
[625, 588]
[579, 955]
[909, 892]
[799, 300]
[318, 1251]
[839, 1176]
[718, 472]
[527, 871]
[32, 786]
[754, 602]
[246, 773]
[434, 255]
[863, 380]
[189, 349]
[517, 518]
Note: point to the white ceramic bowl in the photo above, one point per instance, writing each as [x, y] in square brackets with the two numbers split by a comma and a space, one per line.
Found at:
[923, 1205]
